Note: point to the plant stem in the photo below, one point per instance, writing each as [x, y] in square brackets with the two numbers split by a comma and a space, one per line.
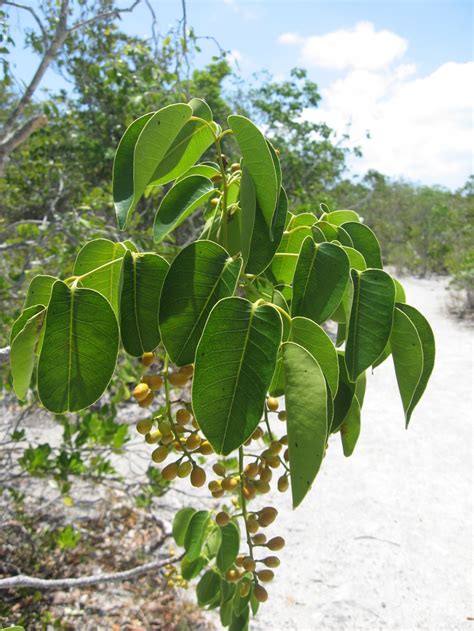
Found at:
[224, 191]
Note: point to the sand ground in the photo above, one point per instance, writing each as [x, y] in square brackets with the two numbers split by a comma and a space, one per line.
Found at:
[384, 540]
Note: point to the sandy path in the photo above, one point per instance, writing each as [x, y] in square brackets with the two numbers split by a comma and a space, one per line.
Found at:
[384, 541]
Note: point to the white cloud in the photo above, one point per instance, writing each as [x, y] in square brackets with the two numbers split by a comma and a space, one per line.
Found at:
[244, 12]
[420, 127]
[360, 47]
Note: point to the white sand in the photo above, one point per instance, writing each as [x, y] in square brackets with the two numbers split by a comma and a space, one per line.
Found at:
[384, 540]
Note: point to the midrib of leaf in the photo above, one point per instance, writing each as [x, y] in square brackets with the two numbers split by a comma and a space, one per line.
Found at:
[69, 370]
[231, 407]
[313, 258]
[135, 299]
[226, 266]
[355, 303]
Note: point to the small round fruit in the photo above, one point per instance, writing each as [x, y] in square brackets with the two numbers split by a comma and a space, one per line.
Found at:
[249, 564]
[219, 469]
[141, 391]
[267, 516]
[235, 166]
[167, 439]
[252, 525]
[215, 202]
[258, 433]
[193, 441]
[159, 454]
[183, 416]
[222, 518]
[218, 494]
[284, 440]
[249, 491]
[144, 426]
[271, 561]
[170, 471]
[259, 539]
[148, 359]
[275, 448]
[147, 401]
[272, 404]
[262, 487]
[275, 544]
[178, 380]
[261, 593]
[154, 381]
[214, 485]
[232, 575]
[184, 469]
[239, 560]
[206, 448]
[282, 483]
[153, 437]
[164, 427]
[198, 476]
[266, 475]
[229, 484]
[282, 416]
[265, 576]
[187, 370]
[251, 470]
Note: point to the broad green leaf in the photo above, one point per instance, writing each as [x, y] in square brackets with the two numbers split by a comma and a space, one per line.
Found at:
[366, 242]
[344, 396]
[79, 349]
[262, 250]
[229, 547]
[276, 163]
[321, 277]
[191, 142]
[212, 543]
[23, 318]
[139, 153]
[317, 342]
[303, 219]
[284, 262]
[306, 407]
[413, 349]
[208, 587]
[105, 257]
[248, 206]
[179, 202]
[201, 109]
[257, 157]
[329, 231]
[371, 319]
[180, 524]
[361, 385]
[207, 170]
[39, 291]
[195, 534]
[235, 360]
[23, 352]
[191, 569]
[197, 279]
[142, 279]
[356, 260]
[338, 217]
[344, 238]
[399, 297]
[350, 428]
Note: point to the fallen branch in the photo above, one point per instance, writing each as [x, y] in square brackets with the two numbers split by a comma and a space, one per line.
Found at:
[22, 580]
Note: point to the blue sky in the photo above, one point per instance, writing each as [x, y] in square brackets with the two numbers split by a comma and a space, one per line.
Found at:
[401, 70]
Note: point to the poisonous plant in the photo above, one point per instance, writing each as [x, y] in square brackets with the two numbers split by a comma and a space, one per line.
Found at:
[241, 315]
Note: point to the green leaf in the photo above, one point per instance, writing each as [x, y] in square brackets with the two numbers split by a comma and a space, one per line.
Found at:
[321, 277]
[106, 255]
[208, 587]
[23, 318]
[258, 159]
[344, 238]
[180, 524]
[317, 342]
[212, 543]
[344, 396]
[413, 349]
[201, 109]
[235, 360]
[350, 428]
[142, 279]
[191, 569]
[195, 137]
[356, 260]
[261, 249]
[179, 202]
[195, 534]
[39, 291]
[205, 169]
[338, 217]
[303, 219]
[371, 319]
[306, 407]
[329, 231]
[284, 262]
[366, 242]
[229, 547]
[141, 150]
[23, 352]
[399, 297]
[79, 350]
[197, 279]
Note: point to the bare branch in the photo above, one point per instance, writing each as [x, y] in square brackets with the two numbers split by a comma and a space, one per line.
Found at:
[22, 580]
[22, 133]
[25, 7]
[103, 16]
